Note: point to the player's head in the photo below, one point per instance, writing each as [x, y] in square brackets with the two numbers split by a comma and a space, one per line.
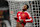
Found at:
[25, 7]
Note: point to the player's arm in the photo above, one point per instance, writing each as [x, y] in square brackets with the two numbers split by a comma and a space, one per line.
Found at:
[17, 16]
[29, 18]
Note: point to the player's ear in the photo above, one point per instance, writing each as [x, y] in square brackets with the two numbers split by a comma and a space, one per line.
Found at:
[27, 6]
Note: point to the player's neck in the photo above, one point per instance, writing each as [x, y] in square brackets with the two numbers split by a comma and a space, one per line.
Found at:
[23, 11]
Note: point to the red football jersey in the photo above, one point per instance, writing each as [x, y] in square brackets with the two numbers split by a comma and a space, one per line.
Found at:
[25, 16]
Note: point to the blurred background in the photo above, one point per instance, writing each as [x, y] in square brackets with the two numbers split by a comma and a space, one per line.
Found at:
[4, 13]
[8, 9]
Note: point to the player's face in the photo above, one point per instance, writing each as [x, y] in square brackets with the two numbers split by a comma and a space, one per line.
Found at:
[24, 7]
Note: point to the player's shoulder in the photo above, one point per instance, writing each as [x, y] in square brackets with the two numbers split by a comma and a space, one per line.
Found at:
[27, 12]
[19, 11]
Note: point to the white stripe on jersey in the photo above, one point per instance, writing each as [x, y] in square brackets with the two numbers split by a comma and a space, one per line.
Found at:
[28, 19]
[19, 14]
[29, 16]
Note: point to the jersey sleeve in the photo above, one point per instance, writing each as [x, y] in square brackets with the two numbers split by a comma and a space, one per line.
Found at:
[29, 18]
[18, 16]
[18, 13]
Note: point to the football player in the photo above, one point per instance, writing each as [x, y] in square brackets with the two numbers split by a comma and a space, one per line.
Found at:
[23, 17]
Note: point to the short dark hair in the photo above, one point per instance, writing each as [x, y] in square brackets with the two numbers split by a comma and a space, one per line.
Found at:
[27, 6]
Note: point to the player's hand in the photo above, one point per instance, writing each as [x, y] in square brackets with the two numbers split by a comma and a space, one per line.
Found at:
[15, 17]
[21, 21]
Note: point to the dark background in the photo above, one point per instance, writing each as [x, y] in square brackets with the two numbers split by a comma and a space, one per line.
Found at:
[3, 3]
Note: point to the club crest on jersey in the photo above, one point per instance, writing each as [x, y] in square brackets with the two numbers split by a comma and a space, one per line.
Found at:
[23, 14]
